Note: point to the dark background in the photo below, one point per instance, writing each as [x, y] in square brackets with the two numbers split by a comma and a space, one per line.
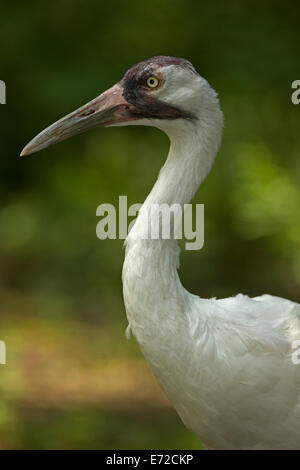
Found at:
[71, 379]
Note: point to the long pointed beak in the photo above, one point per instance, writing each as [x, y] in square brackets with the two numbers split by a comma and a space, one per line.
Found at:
[107, 109]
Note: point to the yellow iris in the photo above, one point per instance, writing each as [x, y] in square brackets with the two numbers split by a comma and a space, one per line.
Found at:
[152, 82]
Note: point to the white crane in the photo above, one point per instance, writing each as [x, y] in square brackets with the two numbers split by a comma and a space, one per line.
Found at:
[225, 364]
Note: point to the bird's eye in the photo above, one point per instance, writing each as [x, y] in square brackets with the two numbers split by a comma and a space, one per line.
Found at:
[152, 82]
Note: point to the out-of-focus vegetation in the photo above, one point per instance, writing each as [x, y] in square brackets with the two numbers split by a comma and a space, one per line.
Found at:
[71, 379]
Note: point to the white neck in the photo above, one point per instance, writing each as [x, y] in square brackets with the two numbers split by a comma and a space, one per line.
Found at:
[150, 278]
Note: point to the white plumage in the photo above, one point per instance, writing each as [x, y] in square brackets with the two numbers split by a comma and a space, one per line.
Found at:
[225, 364]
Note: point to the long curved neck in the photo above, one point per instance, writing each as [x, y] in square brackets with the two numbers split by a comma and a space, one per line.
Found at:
[191, 155]
[150, 279]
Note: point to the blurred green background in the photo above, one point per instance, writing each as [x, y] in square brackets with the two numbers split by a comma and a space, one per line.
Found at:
[72, 380]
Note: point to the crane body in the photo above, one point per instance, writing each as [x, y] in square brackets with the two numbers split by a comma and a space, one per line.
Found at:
[225, 364]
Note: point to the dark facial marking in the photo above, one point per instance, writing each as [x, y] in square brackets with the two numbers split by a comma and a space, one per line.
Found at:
[160, 60]
[145, 105]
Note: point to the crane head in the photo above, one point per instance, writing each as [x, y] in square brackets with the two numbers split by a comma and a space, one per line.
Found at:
[159, 91]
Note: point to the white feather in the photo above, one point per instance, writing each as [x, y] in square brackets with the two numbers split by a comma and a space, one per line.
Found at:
[225, 364]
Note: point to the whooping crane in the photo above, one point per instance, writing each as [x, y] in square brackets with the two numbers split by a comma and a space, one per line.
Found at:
[225, 364]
